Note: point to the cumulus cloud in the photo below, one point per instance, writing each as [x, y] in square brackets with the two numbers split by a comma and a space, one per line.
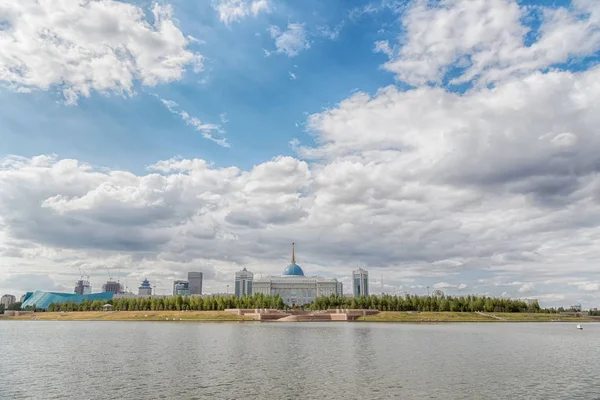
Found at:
[486, 41]
[496, 189]
[291, 41]
[478, 185]
[77, 47]
[236, 10]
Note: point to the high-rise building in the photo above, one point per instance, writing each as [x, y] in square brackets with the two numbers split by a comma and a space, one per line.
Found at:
[145, 289]
[360, 282]
[113, 287]
[195, 280]
[7, 300]
[243, 283]
[181, 288]
[83, 287]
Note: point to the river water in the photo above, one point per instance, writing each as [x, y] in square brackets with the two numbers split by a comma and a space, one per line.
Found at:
[191, 360]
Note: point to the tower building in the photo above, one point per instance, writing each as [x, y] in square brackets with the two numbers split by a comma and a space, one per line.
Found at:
[113, 287]
[360, 282]
[83, 287]
[243, 283]
[7, 300]
[195, 283]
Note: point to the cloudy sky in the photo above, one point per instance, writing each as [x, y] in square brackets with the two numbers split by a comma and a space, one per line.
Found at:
[451, 144]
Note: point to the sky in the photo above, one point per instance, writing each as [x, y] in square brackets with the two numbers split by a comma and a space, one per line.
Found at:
[447, 144]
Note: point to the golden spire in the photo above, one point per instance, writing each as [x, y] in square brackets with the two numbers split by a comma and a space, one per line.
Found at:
[293, 256]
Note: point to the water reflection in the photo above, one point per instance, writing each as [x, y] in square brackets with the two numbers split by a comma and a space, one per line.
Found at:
[132, 360]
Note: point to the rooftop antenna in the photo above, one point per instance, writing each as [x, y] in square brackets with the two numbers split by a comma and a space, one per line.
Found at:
[109, 276]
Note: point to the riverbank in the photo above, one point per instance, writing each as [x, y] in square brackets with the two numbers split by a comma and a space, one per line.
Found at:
[396, 316]
[131, 316]
[385, 316]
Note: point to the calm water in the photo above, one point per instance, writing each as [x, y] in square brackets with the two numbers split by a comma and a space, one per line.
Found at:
[179, 360]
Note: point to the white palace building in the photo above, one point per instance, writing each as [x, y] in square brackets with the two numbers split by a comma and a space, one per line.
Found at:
[295, 288]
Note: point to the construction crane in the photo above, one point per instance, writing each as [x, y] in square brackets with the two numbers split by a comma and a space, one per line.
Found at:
[83, 274]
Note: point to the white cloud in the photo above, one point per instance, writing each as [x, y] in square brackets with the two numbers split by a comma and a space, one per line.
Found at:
[236, 10]
[78, 47]
[292, 41]
[383, 46]
[487, 39]
[527, 288]
[209, 131]
[586, 286]
[499, 185]
[330, 33]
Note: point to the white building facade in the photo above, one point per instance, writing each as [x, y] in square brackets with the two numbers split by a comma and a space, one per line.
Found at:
[295, 288]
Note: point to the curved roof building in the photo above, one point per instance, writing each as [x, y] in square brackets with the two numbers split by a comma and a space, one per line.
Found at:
[294, 287]
[43, 300]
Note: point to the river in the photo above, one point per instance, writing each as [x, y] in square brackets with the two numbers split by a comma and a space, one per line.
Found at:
[191, 360]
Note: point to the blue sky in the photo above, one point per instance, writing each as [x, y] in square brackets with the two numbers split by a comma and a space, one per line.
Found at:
[265, 108]
[446, 144]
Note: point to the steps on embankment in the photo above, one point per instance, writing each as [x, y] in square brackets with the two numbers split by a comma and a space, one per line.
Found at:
[490, 316]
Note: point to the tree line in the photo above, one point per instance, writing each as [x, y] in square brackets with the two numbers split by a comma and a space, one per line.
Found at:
[175, 303]
[382, 303]
[470, 303]
[14, 306]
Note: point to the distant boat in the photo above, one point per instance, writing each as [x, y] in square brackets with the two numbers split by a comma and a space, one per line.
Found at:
[579, 327]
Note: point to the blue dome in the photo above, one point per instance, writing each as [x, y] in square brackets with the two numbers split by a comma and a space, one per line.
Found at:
[293, 270]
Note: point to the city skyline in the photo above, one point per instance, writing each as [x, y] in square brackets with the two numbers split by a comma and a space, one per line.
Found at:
[447, 145]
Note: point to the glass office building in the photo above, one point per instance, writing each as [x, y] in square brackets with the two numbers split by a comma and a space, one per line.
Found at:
[243, 283]
[360, 282]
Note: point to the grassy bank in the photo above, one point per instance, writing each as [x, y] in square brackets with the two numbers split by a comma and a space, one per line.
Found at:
[132, 316]
[394, 316]
[385, 316]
